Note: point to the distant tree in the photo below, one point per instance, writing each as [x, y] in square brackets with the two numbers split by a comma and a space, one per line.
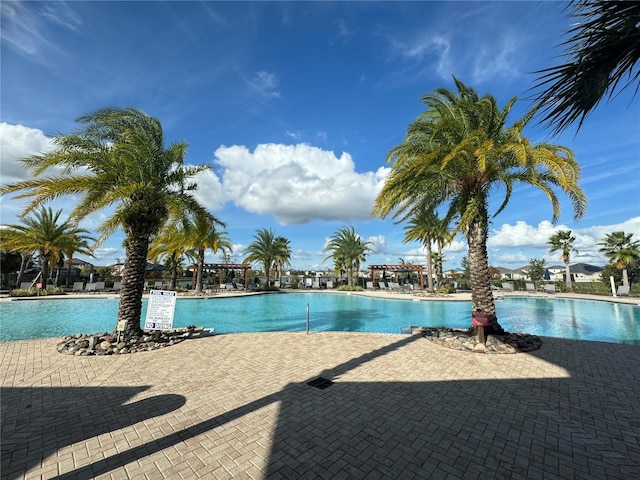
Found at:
[171, 249]
[602, 53]
[264, 249]
[348, 249]
[536, 269]
[621, 251]
[466, 265]
[562, 241]
[282, 255]
[202, 233]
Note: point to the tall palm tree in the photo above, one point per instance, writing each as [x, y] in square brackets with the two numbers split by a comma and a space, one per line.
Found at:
[117, 159]
[264, 249]
[43, 232]
[603, 49]
[562, 241]
[283, 255]
[201, 234]
[348, 249]
[424, 226]
[621, 251]
[457, 152]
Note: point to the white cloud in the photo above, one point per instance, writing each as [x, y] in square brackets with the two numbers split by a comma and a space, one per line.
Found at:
[523, 235]
[17, 142]
[378, 244]
[297, 183]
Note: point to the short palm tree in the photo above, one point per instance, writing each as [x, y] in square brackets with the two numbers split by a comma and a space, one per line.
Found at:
[117, 159]
[201, 234]
[621, 251]
[425, 226]
[348, 250]
[170, 248]
[77, 242]
[603, 49]
[562, 241]
[283, 255]
[264, 249]
[459, 151]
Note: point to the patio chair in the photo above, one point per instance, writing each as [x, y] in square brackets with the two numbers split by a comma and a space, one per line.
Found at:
[91, 287]
[158, 285]
[550, 288]
[370, 286]
[26, 285]
[623, 291]
[77, 287]
[531, 287]
[507, 287]
[116, 286]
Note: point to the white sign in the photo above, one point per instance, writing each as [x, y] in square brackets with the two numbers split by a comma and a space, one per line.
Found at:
[162, 304]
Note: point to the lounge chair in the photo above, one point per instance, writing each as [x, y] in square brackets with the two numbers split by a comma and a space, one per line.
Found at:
[116, 286]
[91, 287]
[550, 288]
[623, 291]
[100, 287]
[507, 287]
[26, 286]
[531, 287]
[329, 283]
[370, 286]
[77, 287]
[158, 285]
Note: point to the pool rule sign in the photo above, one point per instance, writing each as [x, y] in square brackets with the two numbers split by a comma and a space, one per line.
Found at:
[162, 304]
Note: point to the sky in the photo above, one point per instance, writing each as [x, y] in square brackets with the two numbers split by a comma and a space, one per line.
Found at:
[296, 105]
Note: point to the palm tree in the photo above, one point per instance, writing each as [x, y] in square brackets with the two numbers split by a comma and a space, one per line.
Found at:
[77, 242]
[603, 49]
[348, 250]
[117, 159]
[264, 249]
[459, 151]
[562, 241]
[621, 251]
[201, 234]
[283, 255]
[170, 247]
[424, 225]
[43, 232]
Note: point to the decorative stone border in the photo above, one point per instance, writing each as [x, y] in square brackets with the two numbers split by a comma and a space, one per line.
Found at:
[83, 344]
[465, 340]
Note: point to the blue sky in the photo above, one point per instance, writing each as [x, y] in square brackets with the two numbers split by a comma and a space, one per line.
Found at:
[296, 105]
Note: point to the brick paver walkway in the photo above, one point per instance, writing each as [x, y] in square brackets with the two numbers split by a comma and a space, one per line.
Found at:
[237, 406]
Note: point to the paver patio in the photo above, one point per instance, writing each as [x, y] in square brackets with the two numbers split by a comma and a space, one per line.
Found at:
[238, 406]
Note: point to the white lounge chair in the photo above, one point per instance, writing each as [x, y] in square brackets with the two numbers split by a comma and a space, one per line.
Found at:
[623, 291]
[550, 288]
[91, 287]
[116, 286]
[77, 287]
[507, 287]
[531, 287]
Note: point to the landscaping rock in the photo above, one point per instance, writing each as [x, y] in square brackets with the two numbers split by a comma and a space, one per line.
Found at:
[457, 339]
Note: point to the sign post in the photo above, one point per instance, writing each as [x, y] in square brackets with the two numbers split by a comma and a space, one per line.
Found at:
[162, 304]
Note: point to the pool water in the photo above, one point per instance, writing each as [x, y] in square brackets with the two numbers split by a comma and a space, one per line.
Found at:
[556, 317]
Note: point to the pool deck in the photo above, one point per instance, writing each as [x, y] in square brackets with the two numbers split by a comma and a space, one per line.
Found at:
[239, 407]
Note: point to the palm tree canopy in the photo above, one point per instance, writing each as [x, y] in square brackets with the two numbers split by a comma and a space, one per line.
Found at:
[562, 241]
[348, 249]
[620, 249]
[460, 149]
[603, 51]
[264, 249]
[116, 159]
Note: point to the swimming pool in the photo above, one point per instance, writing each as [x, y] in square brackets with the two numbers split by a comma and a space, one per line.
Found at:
[553, 317]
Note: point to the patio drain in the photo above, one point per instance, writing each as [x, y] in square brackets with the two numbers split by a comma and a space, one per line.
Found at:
[320, 383]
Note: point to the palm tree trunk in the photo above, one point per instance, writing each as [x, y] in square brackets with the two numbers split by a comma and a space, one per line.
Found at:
[44, 270]
[174, 272]
[200, 269]
[567, 273]
[481, 294]
[24, 258]
[427, 245]
[70, 259]
[625, 277]
[132, 288]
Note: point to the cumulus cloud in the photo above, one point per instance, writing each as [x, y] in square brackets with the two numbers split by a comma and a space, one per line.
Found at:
[378, 243]
[19, 142]
[297, 183]
[523, 235]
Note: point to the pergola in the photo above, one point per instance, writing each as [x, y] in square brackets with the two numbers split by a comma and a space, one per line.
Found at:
[220, 267]
[399, 269]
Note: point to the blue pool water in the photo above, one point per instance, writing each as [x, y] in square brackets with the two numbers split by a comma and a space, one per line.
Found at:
[553, 317]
